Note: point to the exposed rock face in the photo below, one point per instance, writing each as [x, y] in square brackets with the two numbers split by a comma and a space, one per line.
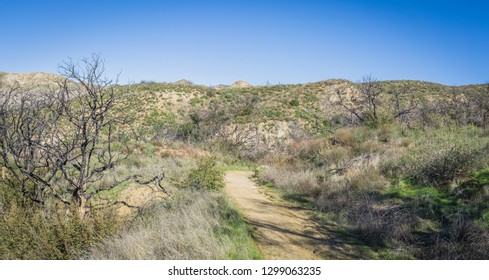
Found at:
[240, 84]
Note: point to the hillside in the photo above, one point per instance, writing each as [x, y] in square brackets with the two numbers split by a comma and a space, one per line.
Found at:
[30, 80]
[389, 169]
[311, 106]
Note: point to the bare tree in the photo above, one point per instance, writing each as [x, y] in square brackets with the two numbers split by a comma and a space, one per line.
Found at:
[58, 143]
[401, 107]
[457, 107]
[27, 135]
[363, 106]
[90, 100]
[480, 102]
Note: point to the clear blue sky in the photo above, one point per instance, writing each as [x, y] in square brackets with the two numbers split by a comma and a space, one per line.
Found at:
[212, 42]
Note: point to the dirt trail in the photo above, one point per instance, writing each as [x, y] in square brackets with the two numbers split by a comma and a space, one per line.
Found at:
[281, 231]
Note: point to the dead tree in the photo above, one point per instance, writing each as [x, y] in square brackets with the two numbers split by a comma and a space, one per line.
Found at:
[400, 107]
[480, 103]
[88, 100]
[364, 104]
[28, 137]
[60, 142]
[89, 109]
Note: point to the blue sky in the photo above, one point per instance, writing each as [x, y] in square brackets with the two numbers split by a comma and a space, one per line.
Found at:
[213, 42]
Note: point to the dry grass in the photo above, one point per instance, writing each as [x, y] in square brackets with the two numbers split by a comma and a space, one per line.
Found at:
[191, 227]
[306, 148]
[461, 239]
[302, 182]
[175, 170]
[340, 191]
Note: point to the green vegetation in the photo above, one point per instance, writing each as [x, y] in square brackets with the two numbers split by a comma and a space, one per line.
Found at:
[405, 195]
[440, 154]
[207, 176]
[399, 168]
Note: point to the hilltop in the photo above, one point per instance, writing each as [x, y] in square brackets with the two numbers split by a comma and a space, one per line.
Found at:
[183, 82]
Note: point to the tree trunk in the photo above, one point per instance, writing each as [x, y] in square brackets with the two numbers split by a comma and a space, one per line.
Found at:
[81, 202]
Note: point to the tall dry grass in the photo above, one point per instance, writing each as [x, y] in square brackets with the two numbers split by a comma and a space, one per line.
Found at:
[301, 181]
[196, 225]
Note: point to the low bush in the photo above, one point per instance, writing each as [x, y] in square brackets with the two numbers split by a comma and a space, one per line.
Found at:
[439, 157]
[31, 233]
[339, 193]
[460, 239]
[207, 176]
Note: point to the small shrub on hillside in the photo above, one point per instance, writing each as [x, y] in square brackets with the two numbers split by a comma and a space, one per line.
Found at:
[339, 192]
[149, 149]
[381, 224]
[344, 136]
[307, 149]
[294, 102]
[366, 178]
[207, 176]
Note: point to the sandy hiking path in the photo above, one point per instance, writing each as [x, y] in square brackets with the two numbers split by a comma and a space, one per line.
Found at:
[282, 231]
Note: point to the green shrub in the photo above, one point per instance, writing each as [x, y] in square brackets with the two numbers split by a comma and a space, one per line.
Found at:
[229, 95]
[149, 148]
[294, 102]
[207, 176]
[441, 166]
[194, 101]
[273, 113]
